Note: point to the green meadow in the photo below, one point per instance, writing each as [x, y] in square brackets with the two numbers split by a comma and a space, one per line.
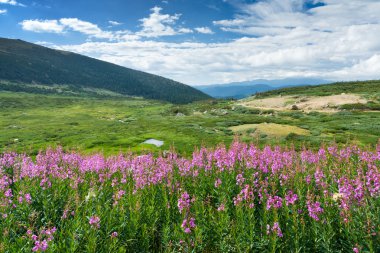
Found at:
[30, 122]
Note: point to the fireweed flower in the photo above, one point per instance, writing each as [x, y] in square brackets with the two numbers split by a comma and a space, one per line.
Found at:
[240, 179]
[276, 228]
[221, 208]
[95, 221]
[184, 202]
[275, 202]
[114, 234]
[187, 225]
[28, 198]
[40, 246]
[218, 182]
[314, 209]
[291, 198]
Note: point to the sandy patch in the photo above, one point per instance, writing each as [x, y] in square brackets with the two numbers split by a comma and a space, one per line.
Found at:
[271, 129]
[305, 103]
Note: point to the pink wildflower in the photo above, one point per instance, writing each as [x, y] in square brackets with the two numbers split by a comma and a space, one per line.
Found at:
[95, 221]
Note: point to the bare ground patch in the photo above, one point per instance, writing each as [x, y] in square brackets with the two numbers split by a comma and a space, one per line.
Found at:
[270, 129]
[304, 103]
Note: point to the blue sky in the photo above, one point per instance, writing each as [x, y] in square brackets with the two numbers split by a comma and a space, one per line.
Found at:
[210, 41]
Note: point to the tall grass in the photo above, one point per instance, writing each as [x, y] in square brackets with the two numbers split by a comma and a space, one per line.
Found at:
[240, 199]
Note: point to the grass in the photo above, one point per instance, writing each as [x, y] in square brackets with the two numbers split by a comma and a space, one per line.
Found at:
[30, 122]
[272, 129]
[370, 88]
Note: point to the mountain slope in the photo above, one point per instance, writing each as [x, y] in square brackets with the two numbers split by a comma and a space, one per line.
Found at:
[240, 90]
[28, 63]
[234, 91]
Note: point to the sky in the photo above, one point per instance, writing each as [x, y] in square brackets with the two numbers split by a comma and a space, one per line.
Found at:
[201, 42]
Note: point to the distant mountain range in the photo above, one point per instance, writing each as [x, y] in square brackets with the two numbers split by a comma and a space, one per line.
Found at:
[240, 90]
[33, 68]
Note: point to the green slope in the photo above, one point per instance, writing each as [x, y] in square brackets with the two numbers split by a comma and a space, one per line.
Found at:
[358, 87]
[26, 63]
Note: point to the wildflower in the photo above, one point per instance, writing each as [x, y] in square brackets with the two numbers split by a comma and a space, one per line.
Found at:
[91, 194]
[40, 246]
[291, 198]
[95, 221]
[184, 202]
[28, 198]
[218, 182]
[276, 228]
[187, 225]
[221, 208]
[314, 209]
[240, 179]
[356, 250]
[8, 193]
[114, 234]
[275, 202]
[337, 196]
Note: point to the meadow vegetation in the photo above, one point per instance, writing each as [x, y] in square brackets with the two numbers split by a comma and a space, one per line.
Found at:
[30, 122]
[236, 199]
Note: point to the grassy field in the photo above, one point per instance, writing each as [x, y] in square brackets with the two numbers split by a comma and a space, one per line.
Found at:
[29, 122]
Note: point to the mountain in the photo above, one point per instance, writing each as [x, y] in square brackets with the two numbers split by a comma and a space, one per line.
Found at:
[240, 90]
[234, 91]
[32, 66]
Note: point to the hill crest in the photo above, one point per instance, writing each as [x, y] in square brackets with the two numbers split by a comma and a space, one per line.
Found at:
[27, 63]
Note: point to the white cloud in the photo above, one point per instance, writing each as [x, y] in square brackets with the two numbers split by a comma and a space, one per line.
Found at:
[114, 23]
[65, 24]
[185, 30]
[86, 28]
[299, 53]
[11, 2]
[39, 26]
[158, 24]
[205, 30]
[3, 11]
[364, 69]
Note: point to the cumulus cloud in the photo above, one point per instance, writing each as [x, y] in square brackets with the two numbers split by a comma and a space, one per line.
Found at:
[11, 2]
[39, 26]
[3, 11]
[86, 28]
[74, 24]
[299, 53]
[158, 24]
[205, 30]
[364, 69]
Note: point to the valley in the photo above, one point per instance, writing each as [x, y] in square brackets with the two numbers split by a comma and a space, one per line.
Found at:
[30, 122]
